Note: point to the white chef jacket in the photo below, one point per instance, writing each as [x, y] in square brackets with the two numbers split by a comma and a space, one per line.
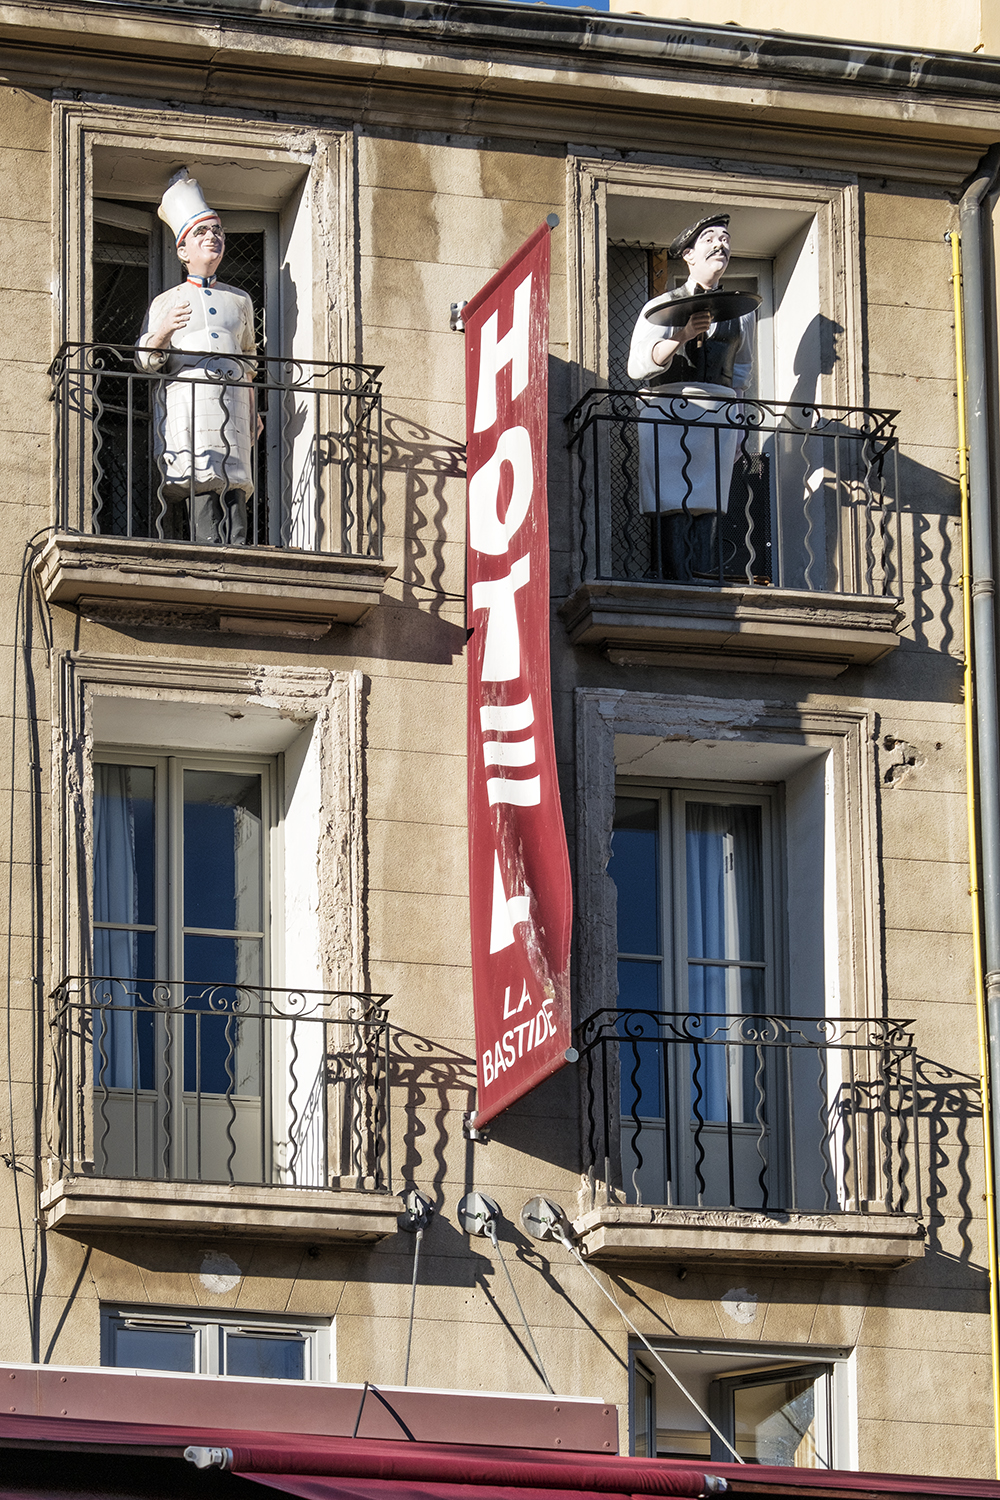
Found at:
[203, 433]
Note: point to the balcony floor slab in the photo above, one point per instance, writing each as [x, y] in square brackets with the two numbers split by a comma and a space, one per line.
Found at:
[191, 586]
[628, 1232]
[82, 1205]
[754, 628]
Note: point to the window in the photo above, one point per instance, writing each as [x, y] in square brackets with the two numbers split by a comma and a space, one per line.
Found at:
[699, 889]
[182, 960]
[134, 260]
[756, 493]
[775, 1407]
[246, 1344]
[308, 469]
[735, 1053]
[699, 883]
[778, 247]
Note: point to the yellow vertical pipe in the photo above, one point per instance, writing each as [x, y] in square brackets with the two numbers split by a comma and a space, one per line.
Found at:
[970, 802]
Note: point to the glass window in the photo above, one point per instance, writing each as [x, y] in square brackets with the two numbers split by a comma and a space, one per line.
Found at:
[777, 1417]
[698, 896]
[181, 920]
[144, 1346]
[255, 1348]
[265, 1356]
[770, 1406]
[643, 1413]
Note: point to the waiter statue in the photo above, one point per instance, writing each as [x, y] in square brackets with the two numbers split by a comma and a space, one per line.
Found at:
[200, 334]
[692, 349]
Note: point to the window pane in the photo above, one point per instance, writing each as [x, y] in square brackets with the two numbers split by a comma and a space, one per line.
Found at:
[211, 961]
[265, 1358]
[727, 1069]
[223, 849]
[714, 990]
[776, 1424]
[644, 1418]
[155, 1349]
[641, 1057]
[223, 1035]
[634, 868]
[124, 849]
[124, 1023]
[725, 897]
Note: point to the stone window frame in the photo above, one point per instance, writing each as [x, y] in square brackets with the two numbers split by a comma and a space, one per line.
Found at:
[330, 701]
[326, 157]
[848, 738]
[833, 196]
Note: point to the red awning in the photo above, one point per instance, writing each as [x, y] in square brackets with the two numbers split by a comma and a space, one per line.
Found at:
[465, 1465]
[319, 1467]
[320, 1487]
[339, 1468]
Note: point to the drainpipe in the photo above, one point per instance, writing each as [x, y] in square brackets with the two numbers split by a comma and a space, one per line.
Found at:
[981, 685]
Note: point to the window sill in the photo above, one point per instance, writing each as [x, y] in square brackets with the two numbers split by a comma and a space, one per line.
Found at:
[631, 1233]
[270, 590]
[80, 1205]
[754, 628]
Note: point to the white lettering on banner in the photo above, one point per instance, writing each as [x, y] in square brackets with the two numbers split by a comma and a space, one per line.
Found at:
[518, 1041]
[508, 716]
[525, 1000]
[494, 353]
[526, 793]
[502, 655]
[509, 752]
[487, 533]
[505, 911]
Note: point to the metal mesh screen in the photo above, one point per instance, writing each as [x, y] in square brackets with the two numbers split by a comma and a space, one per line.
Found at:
[628, 292]
[243, 267]
[120, 299]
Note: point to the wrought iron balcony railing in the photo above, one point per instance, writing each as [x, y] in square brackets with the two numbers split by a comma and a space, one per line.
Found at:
[228, 1083]
[715, 492]
[757, 1112]
[303, 435]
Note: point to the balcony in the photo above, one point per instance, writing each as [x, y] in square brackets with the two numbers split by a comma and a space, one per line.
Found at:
[265, 1110]
[735, 534]
[123, 550]
[750, 1138]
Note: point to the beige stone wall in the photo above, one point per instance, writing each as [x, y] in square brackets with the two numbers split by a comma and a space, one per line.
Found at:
[438, 208]
[970, 26]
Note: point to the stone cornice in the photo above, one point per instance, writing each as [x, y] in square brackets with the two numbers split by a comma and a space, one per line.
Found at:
[594, 39]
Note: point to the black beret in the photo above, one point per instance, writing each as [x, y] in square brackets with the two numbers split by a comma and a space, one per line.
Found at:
[687, 237]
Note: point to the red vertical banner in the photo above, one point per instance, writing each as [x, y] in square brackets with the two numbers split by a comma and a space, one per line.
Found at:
[519, 884]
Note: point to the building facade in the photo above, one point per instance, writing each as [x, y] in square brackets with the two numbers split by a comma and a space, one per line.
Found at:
[239, 1017]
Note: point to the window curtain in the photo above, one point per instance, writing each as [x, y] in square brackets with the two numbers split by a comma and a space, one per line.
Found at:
[116, 952]
[725, 921]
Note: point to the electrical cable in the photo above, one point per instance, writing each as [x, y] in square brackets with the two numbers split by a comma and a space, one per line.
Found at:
[21, 636]
[568, 1244]
[492, 1231]
[413, 1303]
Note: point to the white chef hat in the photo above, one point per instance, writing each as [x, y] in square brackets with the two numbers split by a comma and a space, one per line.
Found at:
[183, 204]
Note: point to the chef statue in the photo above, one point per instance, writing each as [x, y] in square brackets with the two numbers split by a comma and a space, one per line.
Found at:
[693, 362]
[200, 335]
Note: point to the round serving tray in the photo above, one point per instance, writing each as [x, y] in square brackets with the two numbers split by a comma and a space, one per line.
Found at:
[672, 311]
